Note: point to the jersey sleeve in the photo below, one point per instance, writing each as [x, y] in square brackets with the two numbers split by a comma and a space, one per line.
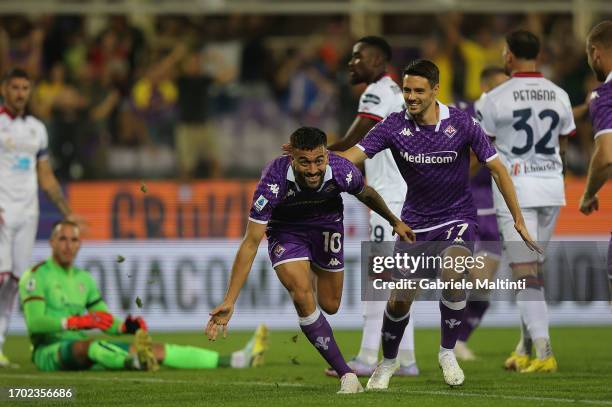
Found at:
[374, 103]
[480, 141]
[32, 298]
[93, 293]
[31, 287]
[376, 140]
[43, 150]
[349, 177]
[568, 126]
[267, 194]
[600, 110]
[486, 114]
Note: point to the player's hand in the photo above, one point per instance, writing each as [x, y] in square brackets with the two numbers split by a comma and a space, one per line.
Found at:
[219, 317]
[404, 232]
[522, 231]
[79, 220]
[97, 319]
[133, 324]
[287, 150]
[589, 205]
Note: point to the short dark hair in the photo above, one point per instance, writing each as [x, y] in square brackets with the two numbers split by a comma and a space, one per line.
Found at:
[523, 44]
[63, 222]
[424, 68]
[378, 42]
[16, 73]
[491, 71]
[601, 34]
[308, 138]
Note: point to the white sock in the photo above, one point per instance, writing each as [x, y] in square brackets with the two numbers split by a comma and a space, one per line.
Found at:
[525, 342]
[444, 350]
[406, 348]
[387, 362]
[373, 312]
[534, 312]
[310, 319]
[542, 347]
[8, 291]
[239, 359]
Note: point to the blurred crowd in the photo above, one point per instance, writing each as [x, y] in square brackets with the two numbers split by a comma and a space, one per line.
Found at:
[215, 96]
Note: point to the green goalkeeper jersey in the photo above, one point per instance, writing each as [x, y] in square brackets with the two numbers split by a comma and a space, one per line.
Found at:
[51, 294]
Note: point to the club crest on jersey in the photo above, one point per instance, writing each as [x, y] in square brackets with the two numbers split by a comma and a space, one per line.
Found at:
[349, 177]
[279, 250]
[260, 203]
[290, 192]
[450, 131]
[82, 288]
[406, 132]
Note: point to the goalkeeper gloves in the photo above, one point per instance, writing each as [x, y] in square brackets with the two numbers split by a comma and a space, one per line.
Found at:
[98, 319]
[133, 324]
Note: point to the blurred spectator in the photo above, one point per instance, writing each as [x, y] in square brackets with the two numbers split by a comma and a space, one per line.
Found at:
[61, 106]
[24, 45]
[117, 101]
[196, 144]
[154, 97]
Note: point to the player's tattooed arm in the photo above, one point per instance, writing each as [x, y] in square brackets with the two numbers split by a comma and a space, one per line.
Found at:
[49, 184]
[374, 201]
[600, 171]
[220, 315]
[506, 187]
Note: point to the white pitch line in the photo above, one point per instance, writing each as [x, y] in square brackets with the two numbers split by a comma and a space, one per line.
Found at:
[455, 393]
[145, 380]
[460, 393]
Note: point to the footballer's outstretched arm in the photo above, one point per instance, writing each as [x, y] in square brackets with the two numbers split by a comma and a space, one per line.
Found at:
[506, 187]
[374, 201]
[600, 170]
[354, 155]
[360, 127]
[221, 314]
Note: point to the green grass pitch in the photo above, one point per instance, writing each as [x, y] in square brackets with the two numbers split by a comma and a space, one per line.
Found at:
[293, 375]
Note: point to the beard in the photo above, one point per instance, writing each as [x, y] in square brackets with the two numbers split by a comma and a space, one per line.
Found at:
[600, 74]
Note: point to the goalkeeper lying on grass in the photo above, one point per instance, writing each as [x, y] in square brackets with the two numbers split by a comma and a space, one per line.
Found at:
[60, 301]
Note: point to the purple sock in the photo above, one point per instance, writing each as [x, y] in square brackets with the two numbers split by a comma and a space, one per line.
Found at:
[392, 332]
[450, 321]
[474, 311]
[320, 334]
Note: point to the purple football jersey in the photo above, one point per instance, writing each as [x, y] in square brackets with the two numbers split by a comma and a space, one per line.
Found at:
[279, 199]
[600, 108]
[434, 161]
[480, 183]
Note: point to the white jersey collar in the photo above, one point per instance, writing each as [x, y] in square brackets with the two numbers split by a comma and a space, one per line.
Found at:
[328, 175]
[444, 114]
